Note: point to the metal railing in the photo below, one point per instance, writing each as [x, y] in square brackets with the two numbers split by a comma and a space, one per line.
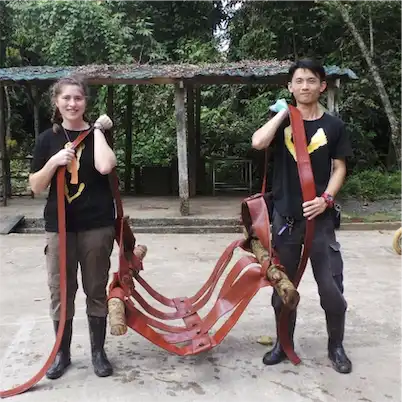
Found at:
[241, 175]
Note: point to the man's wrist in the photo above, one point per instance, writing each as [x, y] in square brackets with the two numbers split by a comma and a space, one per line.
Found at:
[329, 199]
[284, 112]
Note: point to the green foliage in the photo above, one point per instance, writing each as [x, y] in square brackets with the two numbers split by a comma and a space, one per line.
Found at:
[5, 29]
[154, 138]
[294, 29]
[372, 185]
[171, 23]
[66, 32]
[153, 123]
[74, 33]
[194, 51]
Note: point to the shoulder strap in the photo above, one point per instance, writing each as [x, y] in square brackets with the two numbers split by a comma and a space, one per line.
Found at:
[307, 184]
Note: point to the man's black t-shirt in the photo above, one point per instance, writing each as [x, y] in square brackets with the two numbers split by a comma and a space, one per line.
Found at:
[89, 204]
[327, 139]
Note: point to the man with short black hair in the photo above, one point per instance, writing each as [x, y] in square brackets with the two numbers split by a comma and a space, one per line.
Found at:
[328, 146]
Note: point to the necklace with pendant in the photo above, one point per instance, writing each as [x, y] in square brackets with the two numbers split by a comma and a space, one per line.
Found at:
[69, 142]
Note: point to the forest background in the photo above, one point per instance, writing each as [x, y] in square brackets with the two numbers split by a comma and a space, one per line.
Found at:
[364, 36]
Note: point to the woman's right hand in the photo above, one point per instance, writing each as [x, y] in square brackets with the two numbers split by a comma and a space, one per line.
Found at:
[63, 157]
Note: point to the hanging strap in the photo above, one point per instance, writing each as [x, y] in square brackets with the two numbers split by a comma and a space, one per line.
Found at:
[306, 178]
[256, 221]
[61, 216]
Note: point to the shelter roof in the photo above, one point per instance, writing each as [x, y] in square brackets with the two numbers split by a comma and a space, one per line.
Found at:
[243, 72]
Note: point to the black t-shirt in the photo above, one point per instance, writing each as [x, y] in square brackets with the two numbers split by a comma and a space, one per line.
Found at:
[89, 204]
[327, 139]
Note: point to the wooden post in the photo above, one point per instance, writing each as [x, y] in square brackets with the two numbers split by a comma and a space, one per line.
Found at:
[192, 161]
[129, 140]
[110, 94]
[3, 147]
[182, 148]
[200, 169]
[332, 97]
[35, 102]
[110, 113]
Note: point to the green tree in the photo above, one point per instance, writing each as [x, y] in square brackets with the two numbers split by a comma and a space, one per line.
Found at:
[5, 28]
[77, 33]
[291, 30]
[368, 54]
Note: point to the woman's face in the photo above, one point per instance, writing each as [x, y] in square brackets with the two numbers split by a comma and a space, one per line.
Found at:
[71, 102]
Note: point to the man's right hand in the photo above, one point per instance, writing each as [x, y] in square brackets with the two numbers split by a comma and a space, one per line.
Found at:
[279, 105]
[63, 157]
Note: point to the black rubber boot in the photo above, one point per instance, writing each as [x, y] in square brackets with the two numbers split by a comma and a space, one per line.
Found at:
[336, 353]
[63, 358]
[97, 333]
[276, 354]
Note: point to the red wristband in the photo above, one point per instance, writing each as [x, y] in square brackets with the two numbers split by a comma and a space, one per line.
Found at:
[328, 199]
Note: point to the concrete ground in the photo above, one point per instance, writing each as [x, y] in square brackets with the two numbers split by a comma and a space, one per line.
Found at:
[143, 206]
[233, 371]
[208, 207]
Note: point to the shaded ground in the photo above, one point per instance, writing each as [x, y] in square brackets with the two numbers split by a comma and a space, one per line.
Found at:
[233, 371]
[220, 206]
[382, 210]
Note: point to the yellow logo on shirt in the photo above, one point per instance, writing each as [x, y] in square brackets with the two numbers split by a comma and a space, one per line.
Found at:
[70, 169]
[318, 140]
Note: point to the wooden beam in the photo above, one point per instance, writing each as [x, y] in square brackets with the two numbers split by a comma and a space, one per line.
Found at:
[192, 161]
[129, 140]
[180, 112]
[3, 147]
[277, 81]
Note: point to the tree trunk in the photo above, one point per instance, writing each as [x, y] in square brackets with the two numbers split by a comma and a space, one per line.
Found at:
[371, 33]
[393, 121]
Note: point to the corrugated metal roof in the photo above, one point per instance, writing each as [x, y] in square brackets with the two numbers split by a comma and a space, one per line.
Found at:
[241, 72]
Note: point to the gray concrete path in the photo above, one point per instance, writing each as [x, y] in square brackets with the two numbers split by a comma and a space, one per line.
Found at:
[233, 371]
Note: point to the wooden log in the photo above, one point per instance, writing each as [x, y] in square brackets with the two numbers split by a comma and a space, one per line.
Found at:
[140, 251]
[116, 307]
[117, 316]
[277, 276]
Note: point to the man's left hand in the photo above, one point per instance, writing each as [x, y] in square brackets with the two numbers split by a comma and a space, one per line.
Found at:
[313, 208]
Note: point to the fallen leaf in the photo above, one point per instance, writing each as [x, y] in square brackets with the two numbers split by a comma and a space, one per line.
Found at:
[265, 340]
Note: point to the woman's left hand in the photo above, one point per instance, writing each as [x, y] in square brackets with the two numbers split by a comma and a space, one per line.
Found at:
[313, 208]
[105, 121]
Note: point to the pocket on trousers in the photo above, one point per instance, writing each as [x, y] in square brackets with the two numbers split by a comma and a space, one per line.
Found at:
[335, 258]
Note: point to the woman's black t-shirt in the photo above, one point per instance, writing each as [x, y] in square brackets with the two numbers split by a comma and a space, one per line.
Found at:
[89, 204]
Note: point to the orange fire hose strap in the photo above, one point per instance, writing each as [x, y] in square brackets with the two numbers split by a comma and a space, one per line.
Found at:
[63, 279]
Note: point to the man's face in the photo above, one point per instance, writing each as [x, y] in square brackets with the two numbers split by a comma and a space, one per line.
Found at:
[306, 87]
